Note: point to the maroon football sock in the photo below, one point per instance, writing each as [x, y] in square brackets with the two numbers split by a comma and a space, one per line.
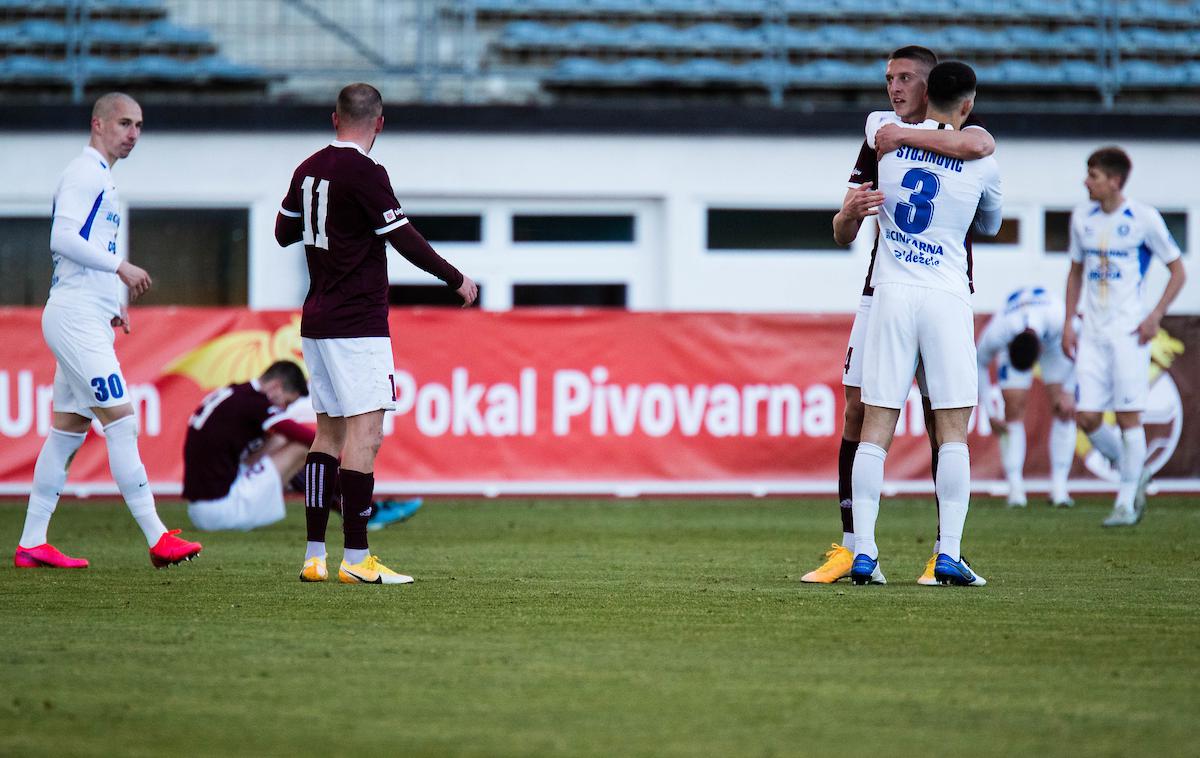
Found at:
[357, 489]
[320, 484]
[845, 490]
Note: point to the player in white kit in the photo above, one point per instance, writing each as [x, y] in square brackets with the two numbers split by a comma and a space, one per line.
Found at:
[1113, 241]
[84, 306]
[922, 313]
[1026, 332]
[907, 69]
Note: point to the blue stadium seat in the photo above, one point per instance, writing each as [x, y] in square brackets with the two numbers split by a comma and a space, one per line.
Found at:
[651, 36]
[41, 32]
[579, 70]
[1150, 74]
[725, 37]
[1083, 73]
[27, 68]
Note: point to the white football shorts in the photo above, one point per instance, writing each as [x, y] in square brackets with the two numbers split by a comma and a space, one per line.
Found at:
[86, 374]
[1113, 373]
[255, 499]
[1056, 368]
[852, 369]
[351, 376]
[910, 325]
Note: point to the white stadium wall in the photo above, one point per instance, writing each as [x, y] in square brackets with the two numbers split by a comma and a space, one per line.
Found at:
[666, 183]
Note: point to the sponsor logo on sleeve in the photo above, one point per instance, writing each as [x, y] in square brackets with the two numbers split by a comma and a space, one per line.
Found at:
[389, 216]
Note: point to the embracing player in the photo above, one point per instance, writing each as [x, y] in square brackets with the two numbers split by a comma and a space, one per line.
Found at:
[906, 76]
[1027, 332]
[83, 307]
[922, 314]
[341, 204]
[1113, 240]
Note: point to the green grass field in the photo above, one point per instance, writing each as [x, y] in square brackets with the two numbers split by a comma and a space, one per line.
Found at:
[611, 628]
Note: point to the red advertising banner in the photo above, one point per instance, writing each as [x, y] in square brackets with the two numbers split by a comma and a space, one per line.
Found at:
[563, 401]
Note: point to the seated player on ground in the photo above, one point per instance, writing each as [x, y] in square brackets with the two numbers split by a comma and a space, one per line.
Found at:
[240, 449]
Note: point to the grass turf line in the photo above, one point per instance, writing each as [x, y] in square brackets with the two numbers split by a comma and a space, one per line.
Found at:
[604, 628]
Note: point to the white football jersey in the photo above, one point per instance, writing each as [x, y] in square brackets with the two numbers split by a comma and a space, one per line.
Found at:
[1027, 308]
[87, 195]
[1115, 250]
[930, 201]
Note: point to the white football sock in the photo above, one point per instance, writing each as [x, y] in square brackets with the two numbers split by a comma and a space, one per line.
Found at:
[314, 550]
[1012, 454]
[1133, 458]
[1062, 453]
[954, 492]
[848, 541]
[1108, 442]
[49, 478]
[130, 475]
[866, 483]
[353, 557]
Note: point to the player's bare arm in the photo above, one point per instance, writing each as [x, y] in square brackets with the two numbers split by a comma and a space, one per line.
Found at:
[1149, 327]
[122, 320]
[967, 145]
[860, 202]
[1070, 340]
[135, 278]
[468, 291]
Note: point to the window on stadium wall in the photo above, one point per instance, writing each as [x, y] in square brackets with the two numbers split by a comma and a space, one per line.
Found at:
[196, 256]
[776, 229]
[426, 295]
[567, 295]
[577, 228]
[25, 264]
[1009, 234]
[449, 227]
[1058, 229]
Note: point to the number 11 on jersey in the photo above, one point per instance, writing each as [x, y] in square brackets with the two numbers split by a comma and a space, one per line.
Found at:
[314, 227]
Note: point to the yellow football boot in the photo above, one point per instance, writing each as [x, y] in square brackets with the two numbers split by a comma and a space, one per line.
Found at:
[370, 571]
[314, 570]
[927, 578]
[836, 566]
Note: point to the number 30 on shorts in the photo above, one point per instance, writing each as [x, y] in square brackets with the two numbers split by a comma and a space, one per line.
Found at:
[106, 388]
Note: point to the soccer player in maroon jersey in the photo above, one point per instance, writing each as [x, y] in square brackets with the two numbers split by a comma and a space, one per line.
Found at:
[241, 447]
[906, 76]
[340, 203]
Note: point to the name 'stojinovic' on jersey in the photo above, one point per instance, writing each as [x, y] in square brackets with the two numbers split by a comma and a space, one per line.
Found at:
[925, 156]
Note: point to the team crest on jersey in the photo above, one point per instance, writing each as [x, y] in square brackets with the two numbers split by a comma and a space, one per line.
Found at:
[1123, 230]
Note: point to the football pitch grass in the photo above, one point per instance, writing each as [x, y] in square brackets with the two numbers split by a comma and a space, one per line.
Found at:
[611, 628]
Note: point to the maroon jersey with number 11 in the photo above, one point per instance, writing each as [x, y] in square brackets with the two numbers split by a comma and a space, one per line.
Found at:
[346, 203]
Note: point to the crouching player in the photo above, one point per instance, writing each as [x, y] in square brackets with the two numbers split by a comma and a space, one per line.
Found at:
[241, 447]
[1027, 332]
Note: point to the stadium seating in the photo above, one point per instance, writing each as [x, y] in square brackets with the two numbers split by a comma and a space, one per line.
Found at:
[1038, 46]
[1047, 50]
[51, 43]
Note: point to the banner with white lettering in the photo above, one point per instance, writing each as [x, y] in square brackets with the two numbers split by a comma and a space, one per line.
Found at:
[561, 401]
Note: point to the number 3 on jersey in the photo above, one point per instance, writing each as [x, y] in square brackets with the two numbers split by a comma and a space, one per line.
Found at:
[314, 225]
[916, 215]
